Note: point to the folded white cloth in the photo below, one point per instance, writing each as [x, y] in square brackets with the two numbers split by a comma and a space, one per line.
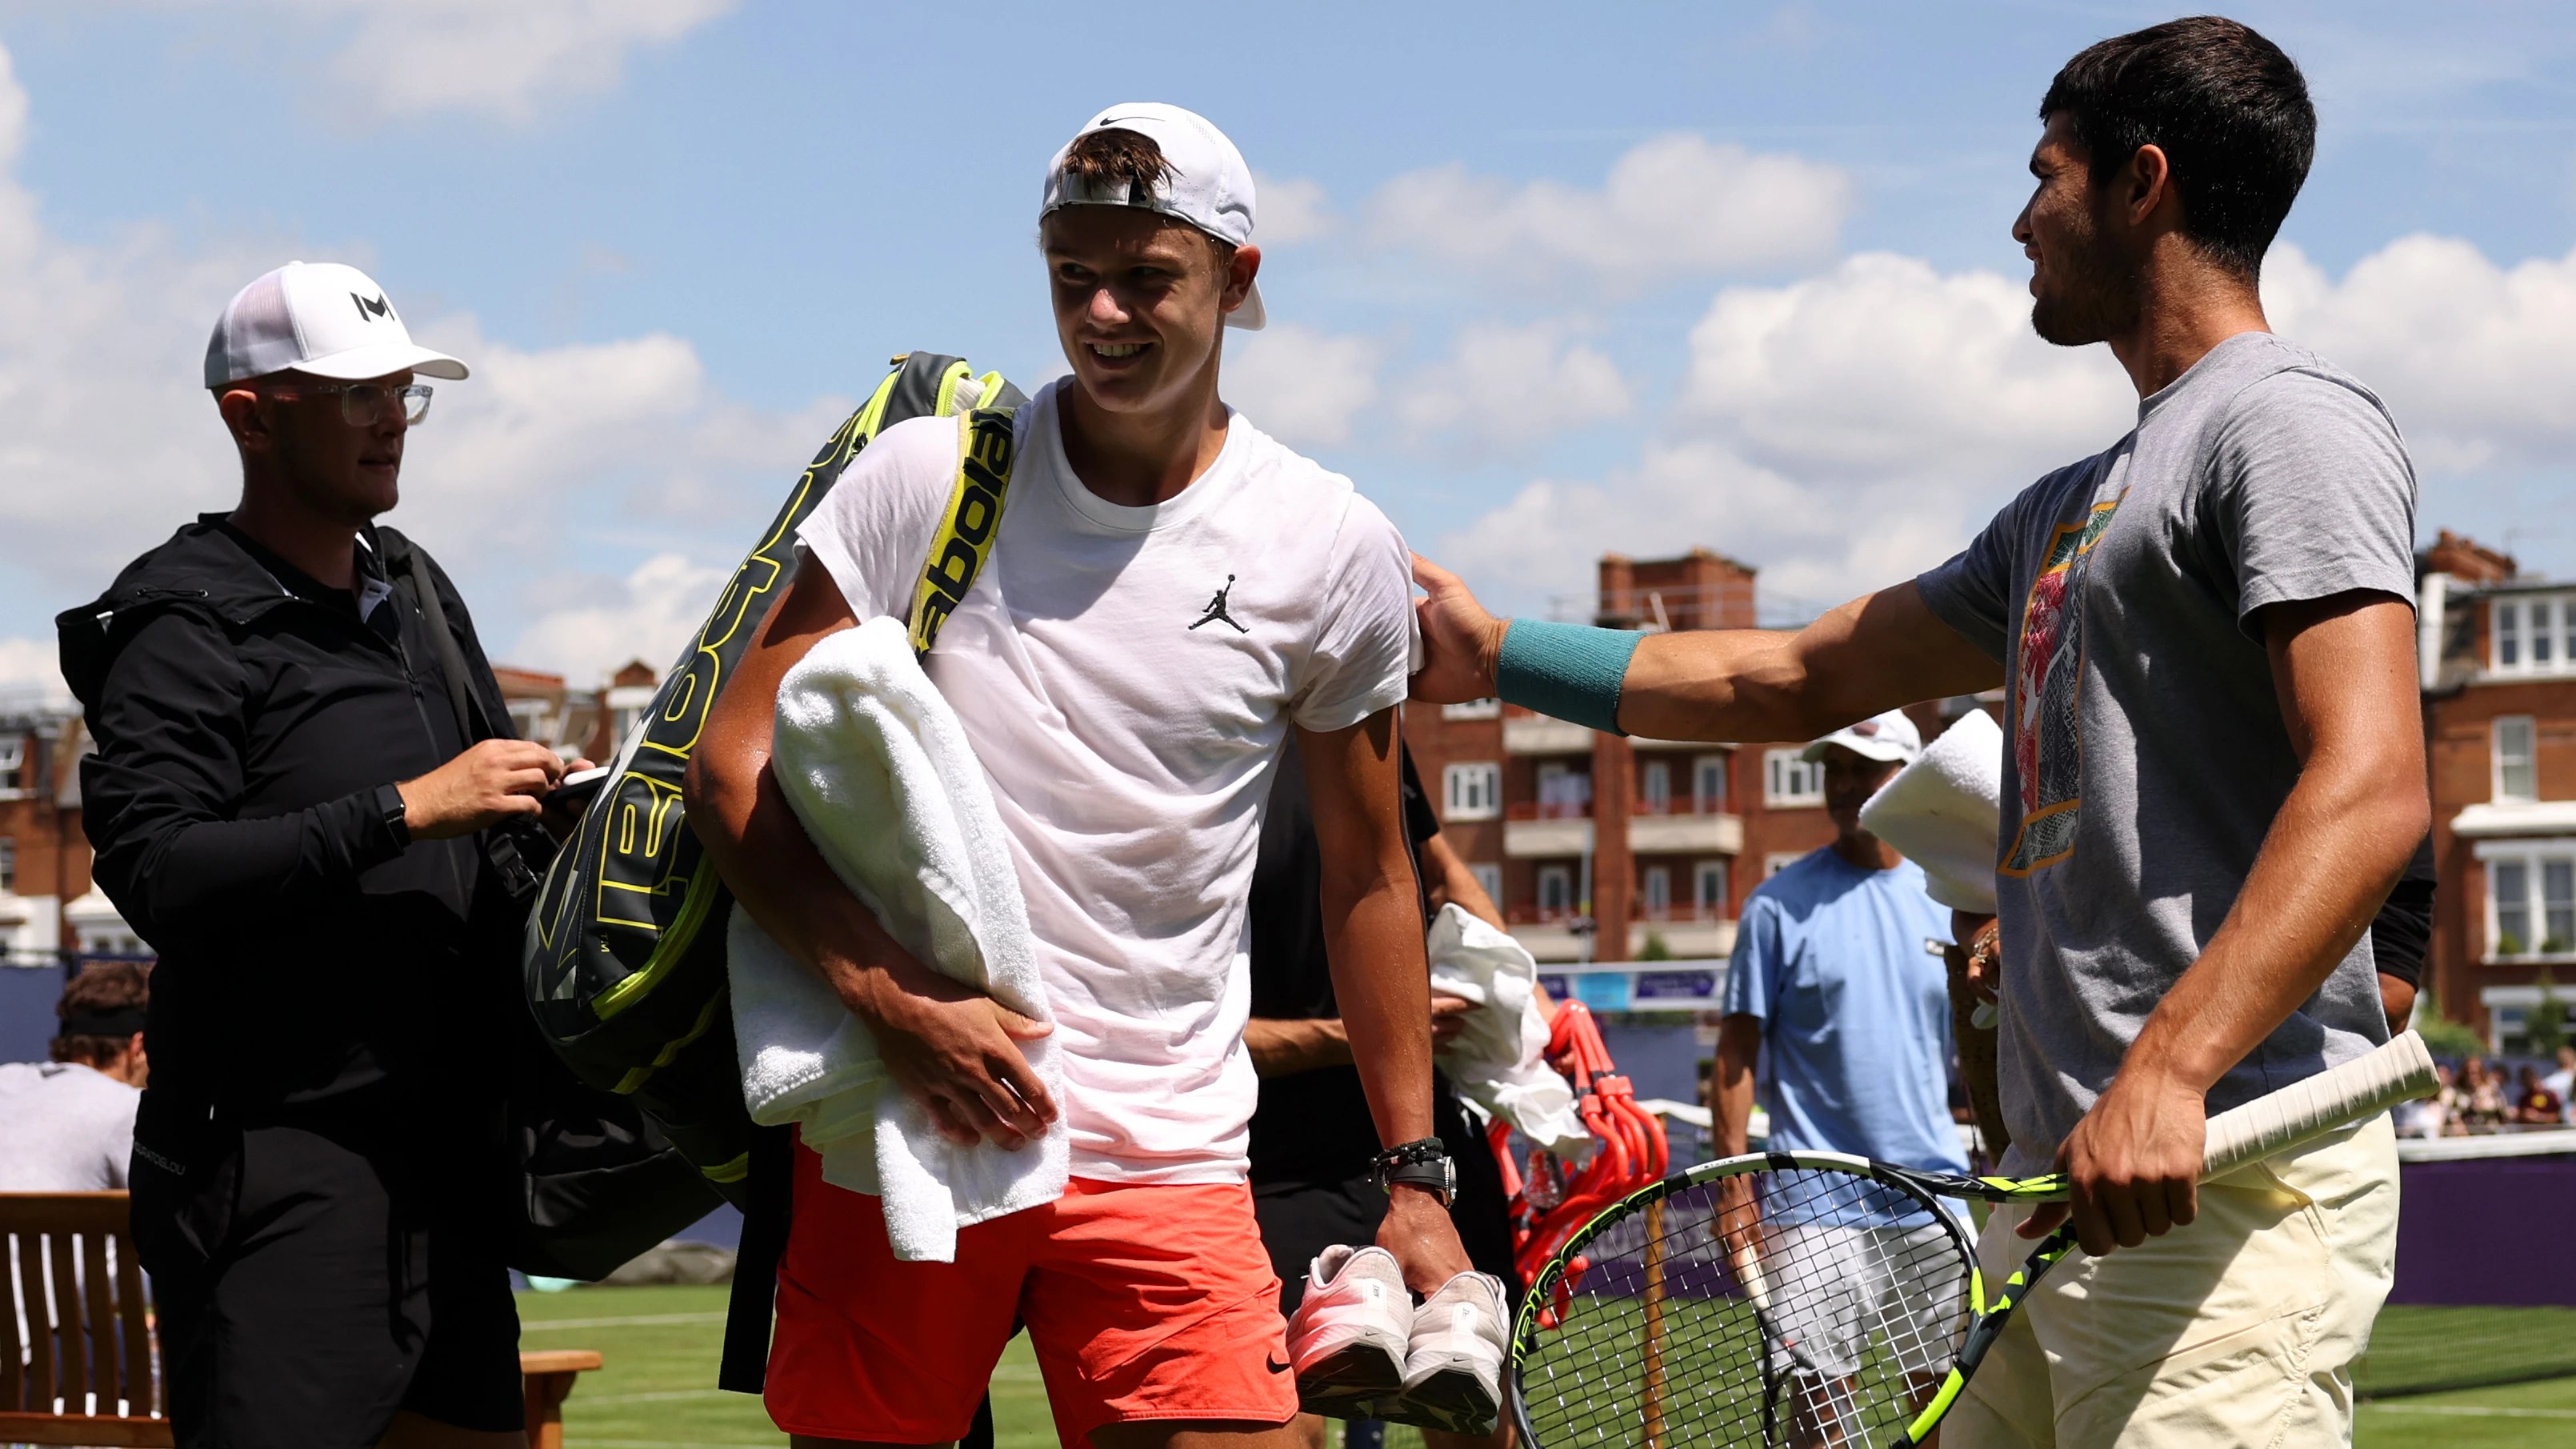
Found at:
[1499, 1059]
[878, 769]
[1941, 812]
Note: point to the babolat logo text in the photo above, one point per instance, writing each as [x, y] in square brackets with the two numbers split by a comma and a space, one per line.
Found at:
[372, 309]
[966, 535]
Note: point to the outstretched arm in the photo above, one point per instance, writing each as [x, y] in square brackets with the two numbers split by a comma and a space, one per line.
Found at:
[2343, 669]
[955, 1051]
[1876, 653]
[1373, 937]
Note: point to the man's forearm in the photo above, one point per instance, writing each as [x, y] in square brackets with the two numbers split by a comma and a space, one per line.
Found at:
[1282, 1047]
[1730, 1084]
[1872, 654]
[1383, 984]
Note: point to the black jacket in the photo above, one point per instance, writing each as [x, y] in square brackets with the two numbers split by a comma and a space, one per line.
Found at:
[246, 718]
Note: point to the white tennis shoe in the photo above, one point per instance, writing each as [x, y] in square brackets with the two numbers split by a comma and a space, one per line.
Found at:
[1453, 1365]
[1350, 1333]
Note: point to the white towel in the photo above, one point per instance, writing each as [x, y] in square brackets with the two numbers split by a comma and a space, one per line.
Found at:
[878, 769]
[1500, 1058]
[1941, 812]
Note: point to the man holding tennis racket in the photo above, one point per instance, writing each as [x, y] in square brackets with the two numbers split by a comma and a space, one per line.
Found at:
[2215, 769]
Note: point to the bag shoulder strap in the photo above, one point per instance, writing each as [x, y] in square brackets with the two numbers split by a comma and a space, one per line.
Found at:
[987, 440]
[451, 660]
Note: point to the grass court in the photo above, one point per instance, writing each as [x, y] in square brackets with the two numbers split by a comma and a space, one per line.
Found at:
[661, 1344]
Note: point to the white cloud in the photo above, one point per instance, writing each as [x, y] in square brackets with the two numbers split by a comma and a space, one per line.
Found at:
[108, 442]
[1302, 386]
[1883, 365]
[1503, 386]
[1841, 432]
[1292, 210]
[1673, 207]
[2474, 359]
[31, 675]
[651, 615]
[503, 58]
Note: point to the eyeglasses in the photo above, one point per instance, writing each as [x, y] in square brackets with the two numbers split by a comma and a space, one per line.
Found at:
[362, 403]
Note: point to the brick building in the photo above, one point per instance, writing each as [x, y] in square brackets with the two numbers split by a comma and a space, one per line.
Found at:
[2500, 738]
[578, 723]
[1604, 848]
[46, 904]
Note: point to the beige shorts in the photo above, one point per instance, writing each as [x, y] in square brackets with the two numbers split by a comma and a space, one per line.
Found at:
[2240, 1329]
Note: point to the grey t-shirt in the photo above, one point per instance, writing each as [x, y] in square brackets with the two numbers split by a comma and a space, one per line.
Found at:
[64, 1127]
[2147, 754]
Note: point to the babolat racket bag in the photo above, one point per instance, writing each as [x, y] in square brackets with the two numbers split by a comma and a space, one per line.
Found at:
[625, 954]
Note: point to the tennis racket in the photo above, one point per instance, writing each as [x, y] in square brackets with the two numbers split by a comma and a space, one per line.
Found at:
[1811, 1298]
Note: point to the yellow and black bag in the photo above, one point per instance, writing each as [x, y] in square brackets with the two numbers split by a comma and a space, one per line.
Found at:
[624, 965]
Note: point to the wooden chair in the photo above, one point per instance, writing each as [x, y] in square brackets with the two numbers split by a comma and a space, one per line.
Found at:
[76, 1359]
[78, 1364]
[548, 1376]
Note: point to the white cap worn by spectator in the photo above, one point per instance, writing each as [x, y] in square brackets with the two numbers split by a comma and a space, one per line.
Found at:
[1890, 736]
[320, 318]
[1209, 186]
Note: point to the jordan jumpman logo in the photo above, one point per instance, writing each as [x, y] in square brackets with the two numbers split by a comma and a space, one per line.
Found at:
[1216, 609]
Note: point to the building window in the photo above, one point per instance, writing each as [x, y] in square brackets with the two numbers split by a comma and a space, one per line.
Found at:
[1708, 783]
[1563, 793]
[1555, 891]
[1474, 790]
[13, 765]
[8, 865]
[1490, 877]
[1659, 893]
[2533, 635]
[1473, 709]
[1780, 860]
[2531, 899]
[2513, 773]
[1708, 888]
[528, 717]
[1659, 788]
[1791, 781]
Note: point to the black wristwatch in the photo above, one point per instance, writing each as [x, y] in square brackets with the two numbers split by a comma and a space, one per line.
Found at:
[389, 803]
[1424, 1164]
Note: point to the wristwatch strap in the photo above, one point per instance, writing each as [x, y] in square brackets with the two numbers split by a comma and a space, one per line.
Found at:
[389, 804]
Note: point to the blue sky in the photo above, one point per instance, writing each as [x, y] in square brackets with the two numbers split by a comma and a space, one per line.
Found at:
[1727, 275]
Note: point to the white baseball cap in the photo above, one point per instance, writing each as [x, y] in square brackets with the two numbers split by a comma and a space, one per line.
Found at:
[1889, 736]
[1209, 186]
[318, 317]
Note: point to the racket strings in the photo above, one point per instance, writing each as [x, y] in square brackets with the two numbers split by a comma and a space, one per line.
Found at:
[1782, 1306]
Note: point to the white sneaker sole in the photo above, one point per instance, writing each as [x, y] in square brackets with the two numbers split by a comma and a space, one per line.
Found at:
[1452, 1396]
[1356, 1380]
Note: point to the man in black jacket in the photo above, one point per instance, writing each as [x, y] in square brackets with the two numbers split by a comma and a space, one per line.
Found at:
[286, 800]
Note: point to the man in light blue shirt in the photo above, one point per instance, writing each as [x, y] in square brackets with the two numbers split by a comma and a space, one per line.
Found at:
[1832, 1004]
[1835, 1008]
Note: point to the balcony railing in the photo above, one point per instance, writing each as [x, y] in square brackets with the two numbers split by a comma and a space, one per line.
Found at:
[1557, 810]
[1681, 915]
[1676, 805]
[1541, 915]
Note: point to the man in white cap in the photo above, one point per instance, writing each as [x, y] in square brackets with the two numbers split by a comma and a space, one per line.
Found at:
[289, 773]
[1843, 1019]
[1171, 593]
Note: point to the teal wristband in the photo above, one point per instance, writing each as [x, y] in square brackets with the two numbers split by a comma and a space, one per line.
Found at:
[1566, 670]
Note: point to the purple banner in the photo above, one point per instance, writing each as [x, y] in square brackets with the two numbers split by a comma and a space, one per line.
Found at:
[2486, 1231]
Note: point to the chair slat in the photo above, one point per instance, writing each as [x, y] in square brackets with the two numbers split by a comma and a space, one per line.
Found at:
[73, 1376]
[104, 1371]
[139, 1387]
[40, 1323]
[62, 1212]
[13, 1349]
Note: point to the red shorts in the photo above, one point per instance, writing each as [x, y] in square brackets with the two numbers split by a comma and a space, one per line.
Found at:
[1149, 1302]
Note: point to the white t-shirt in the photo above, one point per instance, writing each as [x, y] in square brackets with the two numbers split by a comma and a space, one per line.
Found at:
[64, 1127]
[1129, 726]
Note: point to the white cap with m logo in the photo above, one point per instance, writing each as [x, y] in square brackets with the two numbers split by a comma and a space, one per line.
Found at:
[321, 318]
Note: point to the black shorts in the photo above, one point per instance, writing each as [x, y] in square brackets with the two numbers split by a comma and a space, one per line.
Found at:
[1299, 1220]
[307, 1292]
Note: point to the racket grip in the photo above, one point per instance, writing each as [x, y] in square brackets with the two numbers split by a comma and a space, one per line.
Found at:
[2306, 1110]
